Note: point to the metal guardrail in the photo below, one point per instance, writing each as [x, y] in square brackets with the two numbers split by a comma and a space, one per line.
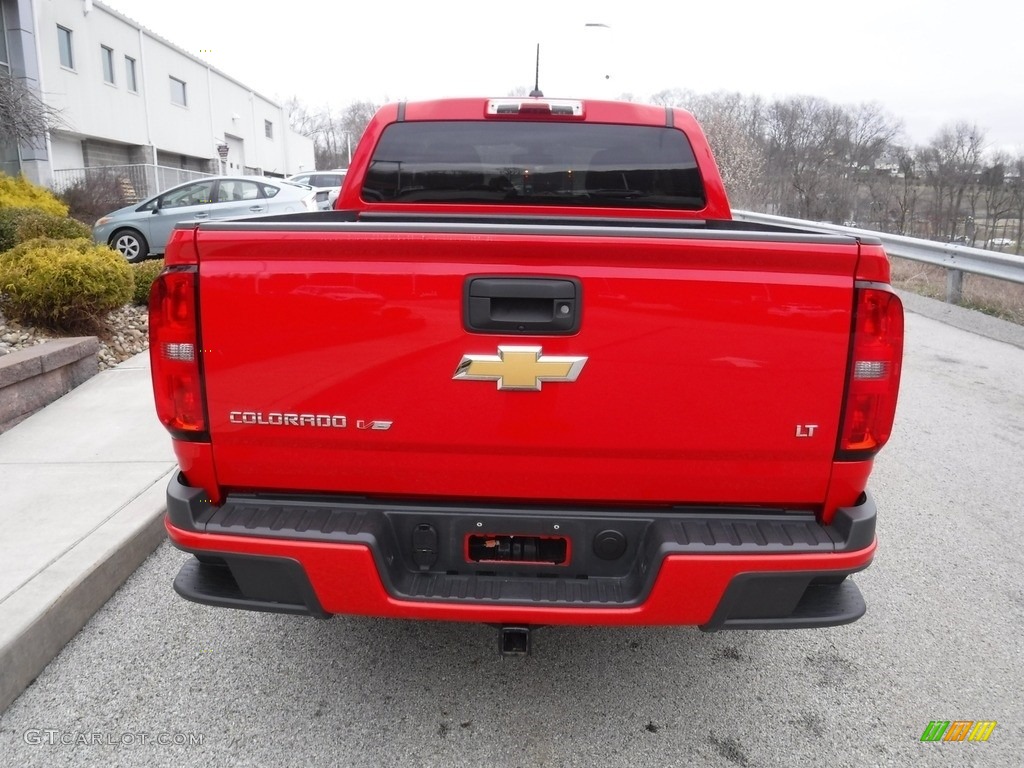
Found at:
[956, 259]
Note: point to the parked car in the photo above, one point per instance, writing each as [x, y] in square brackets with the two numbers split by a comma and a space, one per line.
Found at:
[326, 184]
[1000, 242]
[142, 230]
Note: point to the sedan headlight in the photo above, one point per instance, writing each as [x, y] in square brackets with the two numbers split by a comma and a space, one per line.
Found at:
[102, 220]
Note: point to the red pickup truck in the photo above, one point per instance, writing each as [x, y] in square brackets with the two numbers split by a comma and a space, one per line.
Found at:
[528, 372]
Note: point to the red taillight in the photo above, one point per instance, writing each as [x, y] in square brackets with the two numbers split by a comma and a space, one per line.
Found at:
[174, 353]
[873, 379]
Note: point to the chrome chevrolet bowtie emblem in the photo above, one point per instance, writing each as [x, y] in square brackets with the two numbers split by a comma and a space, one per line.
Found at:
[519, 368]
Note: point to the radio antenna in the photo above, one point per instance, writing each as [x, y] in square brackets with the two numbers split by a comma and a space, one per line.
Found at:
[536, 92]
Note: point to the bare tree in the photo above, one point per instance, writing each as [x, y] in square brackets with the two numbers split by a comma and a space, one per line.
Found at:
[995, 193]
[907, 191]
[331, 143]
[24, 118]
[879, 193]
[334, 133]
[674, 97]
[301, 120]
[357, 116]
[868, 140]
[951, 163]
[801, 156]
[732, 124]
[808, 158]
[1016, 185]
[871, 131]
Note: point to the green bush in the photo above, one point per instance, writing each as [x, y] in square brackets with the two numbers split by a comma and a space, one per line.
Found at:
[64, 285]
[18, 225]
[145, 274]
[19, 192]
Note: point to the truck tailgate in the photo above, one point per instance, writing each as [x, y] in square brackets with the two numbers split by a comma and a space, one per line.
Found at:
[713, 373]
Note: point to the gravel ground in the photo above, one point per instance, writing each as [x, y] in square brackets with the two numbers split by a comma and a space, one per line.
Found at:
[125, 333]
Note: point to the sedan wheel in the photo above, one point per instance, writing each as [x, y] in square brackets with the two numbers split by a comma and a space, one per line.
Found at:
[131, 245]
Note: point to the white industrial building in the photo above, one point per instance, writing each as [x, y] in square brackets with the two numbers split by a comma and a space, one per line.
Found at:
[134, 103]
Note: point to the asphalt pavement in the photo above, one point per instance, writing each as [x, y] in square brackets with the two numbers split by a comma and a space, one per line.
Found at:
[154, 680]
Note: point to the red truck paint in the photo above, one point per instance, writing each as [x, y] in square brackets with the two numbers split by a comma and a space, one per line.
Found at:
[705, 464]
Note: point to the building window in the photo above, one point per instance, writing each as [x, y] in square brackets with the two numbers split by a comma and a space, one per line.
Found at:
[4, 61]
[67, 58]
[268, 128]
[129, 74]
[107, 55]
[179, 92]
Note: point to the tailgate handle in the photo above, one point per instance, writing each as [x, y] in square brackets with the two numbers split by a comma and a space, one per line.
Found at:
[522, 305]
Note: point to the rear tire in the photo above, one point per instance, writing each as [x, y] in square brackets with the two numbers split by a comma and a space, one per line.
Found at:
[130, 244]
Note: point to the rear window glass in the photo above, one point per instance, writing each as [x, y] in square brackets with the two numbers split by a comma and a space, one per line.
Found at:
[327, 180]
[501, 163]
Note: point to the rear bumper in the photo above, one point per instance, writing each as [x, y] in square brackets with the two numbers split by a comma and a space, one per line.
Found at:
[710, 568]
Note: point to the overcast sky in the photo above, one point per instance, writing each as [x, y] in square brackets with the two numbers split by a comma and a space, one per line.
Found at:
[928, 63]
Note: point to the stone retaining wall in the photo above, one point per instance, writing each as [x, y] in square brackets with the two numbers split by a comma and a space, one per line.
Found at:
[34, 377]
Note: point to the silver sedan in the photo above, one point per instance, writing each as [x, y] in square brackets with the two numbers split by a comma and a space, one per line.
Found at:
[143, 229]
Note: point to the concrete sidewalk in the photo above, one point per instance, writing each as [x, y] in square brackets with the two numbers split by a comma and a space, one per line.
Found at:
[81, 504]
